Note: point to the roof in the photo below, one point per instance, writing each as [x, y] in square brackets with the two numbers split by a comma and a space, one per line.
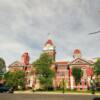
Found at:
[77, 51]
[90, 61]
[25, 53]
[80, 61]
[62, 62]
[16, 63]
[49, 42]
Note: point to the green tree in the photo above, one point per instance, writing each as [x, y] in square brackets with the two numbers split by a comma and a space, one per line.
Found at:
[2, 65]
[97, 72]
[43, 70]
[97, 67]
[77, 74]
[15, 79]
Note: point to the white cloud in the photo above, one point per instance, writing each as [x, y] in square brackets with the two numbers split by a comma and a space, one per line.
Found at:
[24, 25]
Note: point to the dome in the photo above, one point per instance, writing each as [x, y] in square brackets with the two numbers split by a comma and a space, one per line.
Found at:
[77, 51]
[49, 45]
[49, 42]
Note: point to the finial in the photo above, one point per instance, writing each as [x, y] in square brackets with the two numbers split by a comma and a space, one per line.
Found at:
[49, 35]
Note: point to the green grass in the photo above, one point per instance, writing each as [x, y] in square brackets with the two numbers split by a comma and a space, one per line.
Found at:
[70, 91]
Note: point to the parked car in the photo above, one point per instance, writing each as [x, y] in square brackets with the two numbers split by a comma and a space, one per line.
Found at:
[6, 89]
[97, 82]
[98, 86]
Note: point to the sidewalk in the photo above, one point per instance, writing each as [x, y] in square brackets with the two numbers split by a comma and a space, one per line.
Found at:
[53, 93]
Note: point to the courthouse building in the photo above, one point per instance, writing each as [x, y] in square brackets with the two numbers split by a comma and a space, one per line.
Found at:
[63, 69]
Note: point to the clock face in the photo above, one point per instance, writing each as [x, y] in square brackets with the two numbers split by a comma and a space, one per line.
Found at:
[49, 47]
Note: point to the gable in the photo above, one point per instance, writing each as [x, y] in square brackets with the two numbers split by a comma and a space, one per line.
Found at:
[16, 63]
[80, 61]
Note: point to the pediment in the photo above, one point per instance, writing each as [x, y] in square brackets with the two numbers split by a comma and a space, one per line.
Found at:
[79, 61]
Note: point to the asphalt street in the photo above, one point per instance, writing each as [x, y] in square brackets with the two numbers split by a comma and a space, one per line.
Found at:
[47, 97]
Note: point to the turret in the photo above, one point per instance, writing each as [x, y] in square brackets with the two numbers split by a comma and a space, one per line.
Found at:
[25, 58]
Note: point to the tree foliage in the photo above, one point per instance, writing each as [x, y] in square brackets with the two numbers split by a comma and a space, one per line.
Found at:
[97, 72]
[15, 79]
[2, 65]
[97, 67]
[43, 70]
[77, 74]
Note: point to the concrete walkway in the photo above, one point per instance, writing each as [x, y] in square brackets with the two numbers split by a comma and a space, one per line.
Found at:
[70, 93]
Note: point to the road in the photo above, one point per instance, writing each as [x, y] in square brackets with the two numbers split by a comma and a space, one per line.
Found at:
[47, 97]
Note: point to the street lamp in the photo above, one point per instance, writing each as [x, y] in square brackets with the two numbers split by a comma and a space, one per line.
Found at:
[63, 83]
[69, 75]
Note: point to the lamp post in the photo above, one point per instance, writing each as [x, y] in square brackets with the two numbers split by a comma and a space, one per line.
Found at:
[63, 84]
[69, 75]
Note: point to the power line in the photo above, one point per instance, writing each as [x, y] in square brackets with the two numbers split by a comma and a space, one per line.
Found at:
[94, 33]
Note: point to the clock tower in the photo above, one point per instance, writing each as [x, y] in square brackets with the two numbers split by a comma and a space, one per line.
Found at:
[49, 48]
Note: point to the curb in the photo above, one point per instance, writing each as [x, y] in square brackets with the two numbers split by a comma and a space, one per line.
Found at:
[53, 93]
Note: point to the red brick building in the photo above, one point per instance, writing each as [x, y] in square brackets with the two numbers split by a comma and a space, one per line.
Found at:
[63, 69]
[24, 65]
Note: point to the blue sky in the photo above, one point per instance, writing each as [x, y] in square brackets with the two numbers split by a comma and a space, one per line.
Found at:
[25, 24]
